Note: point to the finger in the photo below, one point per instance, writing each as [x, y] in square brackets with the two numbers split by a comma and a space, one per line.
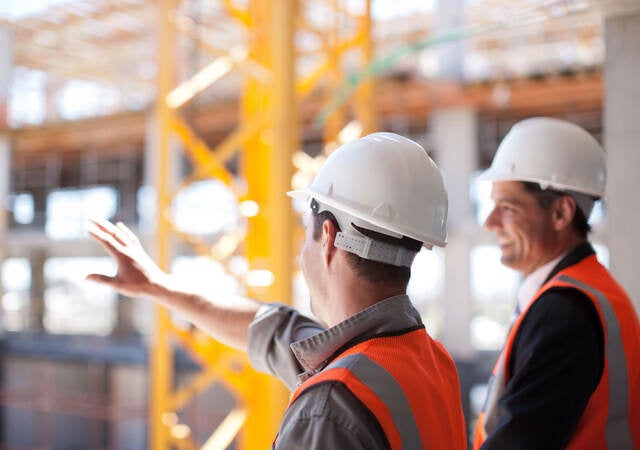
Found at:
[114, 247]
[102, 279]
[109, 228]
[127, 231]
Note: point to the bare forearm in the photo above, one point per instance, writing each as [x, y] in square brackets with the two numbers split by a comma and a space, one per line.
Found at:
[225, 319]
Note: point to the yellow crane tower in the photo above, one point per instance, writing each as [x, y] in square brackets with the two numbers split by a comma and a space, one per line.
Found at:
[266, 138]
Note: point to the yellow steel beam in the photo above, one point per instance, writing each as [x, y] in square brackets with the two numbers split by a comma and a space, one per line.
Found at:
[199, 151]
[227, 148]
[336, 120]
[241, 15]
[161, 356]
[365, 101]
[207, 38]
[203, 79]
[268, 169]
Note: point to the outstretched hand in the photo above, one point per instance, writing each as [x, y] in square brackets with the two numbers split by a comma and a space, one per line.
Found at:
[137, 273]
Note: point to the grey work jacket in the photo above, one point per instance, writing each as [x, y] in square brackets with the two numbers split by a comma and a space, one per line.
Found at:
[293, 347]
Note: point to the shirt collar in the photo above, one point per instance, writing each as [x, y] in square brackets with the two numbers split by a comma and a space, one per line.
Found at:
[533, 282]
[392, 314]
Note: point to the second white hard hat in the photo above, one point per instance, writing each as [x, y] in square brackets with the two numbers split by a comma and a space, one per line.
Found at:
[388, 184]
[555, 153]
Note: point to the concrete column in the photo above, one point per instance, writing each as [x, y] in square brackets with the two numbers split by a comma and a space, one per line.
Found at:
[151, 162]
[621, 137]
[454, 134]
[36, 293]
[6, 66]
[5, 179]
[450, 17]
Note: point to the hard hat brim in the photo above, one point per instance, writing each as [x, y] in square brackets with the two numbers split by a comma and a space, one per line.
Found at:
[307, 194]
[491, 175]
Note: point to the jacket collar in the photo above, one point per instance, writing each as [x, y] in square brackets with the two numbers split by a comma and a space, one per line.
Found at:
[387, 316]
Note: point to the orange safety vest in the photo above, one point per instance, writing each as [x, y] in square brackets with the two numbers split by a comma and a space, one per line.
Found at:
[410, 384]
[611, 419]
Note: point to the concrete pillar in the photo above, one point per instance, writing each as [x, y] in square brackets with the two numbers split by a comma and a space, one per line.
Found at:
[450, 17]
[151, 162]
[454, 134]
[5, 179]
[6, 66]
[621, 137]
[36, 293]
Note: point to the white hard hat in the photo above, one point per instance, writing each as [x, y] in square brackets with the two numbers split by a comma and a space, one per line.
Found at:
[385, 183]
[554, 153]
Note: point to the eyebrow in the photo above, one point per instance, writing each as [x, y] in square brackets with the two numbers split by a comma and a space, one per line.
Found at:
[509, 200]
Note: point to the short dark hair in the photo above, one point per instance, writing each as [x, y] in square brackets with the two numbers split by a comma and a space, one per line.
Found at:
[372, 271]
[546, 197]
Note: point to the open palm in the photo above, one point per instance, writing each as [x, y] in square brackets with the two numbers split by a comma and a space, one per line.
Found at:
[137, 273]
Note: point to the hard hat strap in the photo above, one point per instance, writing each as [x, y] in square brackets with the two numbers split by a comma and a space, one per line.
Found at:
[368, 248]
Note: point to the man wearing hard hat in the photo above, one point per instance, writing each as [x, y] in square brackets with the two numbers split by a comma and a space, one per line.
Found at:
[369, 376]
[569, 374]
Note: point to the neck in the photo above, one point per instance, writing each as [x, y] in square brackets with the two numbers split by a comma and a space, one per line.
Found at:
[350, 295]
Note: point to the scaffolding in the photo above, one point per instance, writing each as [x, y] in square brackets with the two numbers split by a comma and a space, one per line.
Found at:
[265, 140]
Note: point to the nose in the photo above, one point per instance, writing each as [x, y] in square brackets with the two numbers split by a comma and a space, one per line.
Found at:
[493, 220]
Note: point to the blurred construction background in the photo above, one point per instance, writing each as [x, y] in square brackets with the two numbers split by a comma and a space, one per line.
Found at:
[189, 119]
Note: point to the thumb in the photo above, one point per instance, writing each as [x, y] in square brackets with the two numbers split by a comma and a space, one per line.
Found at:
[102, 279]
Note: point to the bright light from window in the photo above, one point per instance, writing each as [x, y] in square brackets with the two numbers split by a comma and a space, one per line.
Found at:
[427, 276]
[16, 281]
[493, 291]
[17, 9]
[400, 8]
[205, 276]
[78, 99]
[146, 205]
[74, 306]
[480, 194]
[249, 208]
[205, 207]
[490, 280]
[487, 334]
[69, 209]
[26, 102]
[23, 208]
[260, 278]
[16, 274]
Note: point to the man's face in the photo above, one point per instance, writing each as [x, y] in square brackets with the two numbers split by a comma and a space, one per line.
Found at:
[523, 228]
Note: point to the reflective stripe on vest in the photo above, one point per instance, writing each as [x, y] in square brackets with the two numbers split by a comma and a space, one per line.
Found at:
[618, 435]
[387, 389]
[607, 421]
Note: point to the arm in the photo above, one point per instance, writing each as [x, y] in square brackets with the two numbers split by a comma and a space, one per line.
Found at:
[556, 365]
[138, 276]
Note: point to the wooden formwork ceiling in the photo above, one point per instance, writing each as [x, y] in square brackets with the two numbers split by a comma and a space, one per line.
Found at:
[114, 43]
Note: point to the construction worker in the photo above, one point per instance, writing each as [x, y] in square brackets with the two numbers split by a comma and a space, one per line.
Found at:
[367, 375]
[569, 374]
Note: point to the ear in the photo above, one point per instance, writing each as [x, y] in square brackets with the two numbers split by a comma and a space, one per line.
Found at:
[327, 240]
[563, 212]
